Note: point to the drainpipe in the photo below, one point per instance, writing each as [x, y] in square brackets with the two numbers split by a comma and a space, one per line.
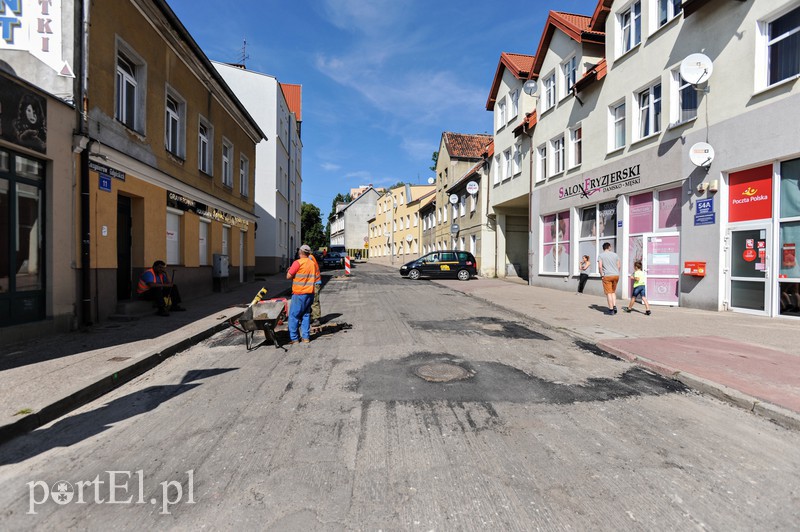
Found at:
[85, 220]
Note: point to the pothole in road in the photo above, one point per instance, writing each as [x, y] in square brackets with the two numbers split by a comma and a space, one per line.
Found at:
[494, 327]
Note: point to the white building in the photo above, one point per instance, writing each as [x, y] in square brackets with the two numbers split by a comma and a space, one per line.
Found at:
[277, 108]
[350, 223]
[616, 142]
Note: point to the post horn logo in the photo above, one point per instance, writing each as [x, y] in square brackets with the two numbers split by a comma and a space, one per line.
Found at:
[749, 192]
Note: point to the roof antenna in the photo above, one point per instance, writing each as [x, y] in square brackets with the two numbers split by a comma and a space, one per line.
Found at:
[244, 56]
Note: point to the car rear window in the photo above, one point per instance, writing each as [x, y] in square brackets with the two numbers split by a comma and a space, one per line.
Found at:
[464, 256]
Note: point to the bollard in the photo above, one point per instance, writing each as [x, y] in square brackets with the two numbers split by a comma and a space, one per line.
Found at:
[347, 265]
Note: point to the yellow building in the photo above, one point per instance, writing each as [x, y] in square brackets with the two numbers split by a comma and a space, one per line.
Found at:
[169, 160]
[395, 234]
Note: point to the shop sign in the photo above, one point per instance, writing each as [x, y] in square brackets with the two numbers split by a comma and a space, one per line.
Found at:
[178, 201]
[23, 114]
[750, 194]
[626, 177]
[749, 255]
[104, 170]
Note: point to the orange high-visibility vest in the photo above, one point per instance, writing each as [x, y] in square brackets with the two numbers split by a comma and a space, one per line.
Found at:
[142, 287]
[303, 281]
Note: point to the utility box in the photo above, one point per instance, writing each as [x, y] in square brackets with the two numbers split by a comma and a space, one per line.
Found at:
[221, 266]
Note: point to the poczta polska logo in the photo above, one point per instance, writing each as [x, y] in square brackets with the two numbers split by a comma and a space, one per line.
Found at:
[114, 490]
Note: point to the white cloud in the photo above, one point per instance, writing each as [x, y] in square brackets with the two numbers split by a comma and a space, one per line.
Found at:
[329, 167]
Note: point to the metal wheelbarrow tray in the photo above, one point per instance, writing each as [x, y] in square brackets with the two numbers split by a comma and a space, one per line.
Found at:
[264, 316]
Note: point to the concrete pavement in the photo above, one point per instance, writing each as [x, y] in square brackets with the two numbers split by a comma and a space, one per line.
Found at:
[749, 361]
[42, 380]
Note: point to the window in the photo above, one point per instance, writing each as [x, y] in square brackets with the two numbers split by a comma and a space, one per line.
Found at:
[555, 243]
[174, 237]
[575, 147]
[204, 144]
[558, 154]
[649, 101]
[541, 154]
[517, 159]
[473, 244]
[455, 211]
[514, 97]
[461, 243]
[789, 237]
[549, 91]
[175, 120]
[569, 71]
[227, 164]
[507, 163]
[667, 10]
[617, 126]
[496, 177]
[226, 236]
[416, 219]
[244, 176]
[685, 98]
[129, 97]
[630, 24]
[783, 47]
[462, 207]
[203, 242]
[598, 226]
[501, 114]
[473, 202]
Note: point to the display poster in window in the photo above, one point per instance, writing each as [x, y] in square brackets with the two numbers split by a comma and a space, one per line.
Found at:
[23, 116]
[750, 196]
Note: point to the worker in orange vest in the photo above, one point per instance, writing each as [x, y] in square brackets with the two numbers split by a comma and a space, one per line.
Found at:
[304, 273]
[154, 285]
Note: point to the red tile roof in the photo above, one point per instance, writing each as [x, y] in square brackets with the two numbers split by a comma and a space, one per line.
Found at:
[597, 72]
[519, 65]
[464, 146]
[527, 123]
[600, 15]
[294, 99]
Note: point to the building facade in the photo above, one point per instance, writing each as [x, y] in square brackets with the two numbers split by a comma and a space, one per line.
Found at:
[277, 107]
[395, 234]
[688, 163]
[510, 168]
[350, 223]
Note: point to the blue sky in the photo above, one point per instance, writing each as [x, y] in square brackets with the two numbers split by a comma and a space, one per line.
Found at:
[381, 79]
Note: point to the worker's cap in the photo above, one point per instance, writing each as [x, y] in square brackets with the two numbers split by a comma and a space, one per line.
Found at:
[305, 248]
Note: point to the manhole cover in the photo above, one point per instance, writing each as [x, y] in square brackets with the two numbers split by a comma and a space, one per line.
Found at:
[440, 372]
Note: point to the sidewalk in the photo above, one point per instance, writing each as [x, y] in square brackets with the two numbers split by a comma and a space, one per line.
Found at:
[750, 361]
[43, 379]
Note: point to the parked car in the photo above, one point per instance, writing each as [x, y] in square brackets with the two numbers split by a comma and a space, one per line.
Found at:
[447, 263]
[333, 259]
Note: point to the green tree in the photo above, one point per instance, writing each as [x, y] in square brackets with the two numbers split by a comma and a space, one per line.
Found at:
[340, 198]
[311, 231]
[398, 184]
[435, 159]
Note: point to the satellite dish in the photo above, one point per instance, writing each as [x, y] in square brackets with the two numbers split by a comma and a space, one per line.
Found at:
[696, 68]
[431, 181]
[701, 154]
[409, 238]
[453, 198]
[472, 188]
[530, 87]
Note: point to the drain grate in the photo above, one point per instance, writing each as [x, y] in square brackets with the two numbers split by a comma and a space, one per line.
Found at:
[441, 372]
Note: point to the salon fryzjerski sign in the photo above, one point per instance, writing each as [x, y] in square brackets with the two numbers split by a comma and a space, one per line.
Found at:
[605, 183]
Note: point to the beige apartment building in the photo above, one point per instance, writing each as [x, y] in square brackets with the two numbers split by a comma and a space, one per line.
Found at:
[395, 234]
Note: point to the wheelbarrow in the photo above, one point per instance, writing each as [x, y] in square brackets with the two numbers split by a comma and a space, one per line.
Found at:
[264, 316]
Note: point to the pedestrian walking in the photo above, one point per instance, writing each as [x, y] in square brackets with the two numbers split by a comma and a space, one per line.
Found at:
[584, 274]
[608, 265]
[303, 272]
[639, 288]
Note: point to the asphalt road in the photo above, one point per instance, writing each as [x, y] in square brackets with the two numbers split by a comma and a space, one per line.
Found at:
[535, 432]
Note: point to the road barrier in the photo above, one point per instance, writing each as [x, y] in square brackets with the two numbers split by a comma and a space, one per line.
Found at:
[347, 265]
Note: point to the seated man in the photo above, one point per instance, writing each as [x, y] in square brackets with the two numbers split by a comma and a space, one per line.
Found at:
[155, 286]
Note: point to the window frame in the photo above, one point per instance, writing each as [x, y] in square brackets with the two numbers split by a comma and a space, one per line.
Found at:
[629, 17]
[516, 157]
[502, 115]
[549, 90]
[671, 8]
[205, 163]
[614, 123]
[541, 156]
[653, 109]
[175, 124]
[678, 87]
[244, 175]
[764, 42]
[514, 98]
[559, 153]
[227, 163]
[138, 76]
[507, 164]
[575, 147]
[569, 75]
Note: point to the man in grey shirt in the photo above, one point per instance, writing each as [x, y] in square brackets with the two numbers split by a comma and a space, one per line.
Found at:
[608, 265]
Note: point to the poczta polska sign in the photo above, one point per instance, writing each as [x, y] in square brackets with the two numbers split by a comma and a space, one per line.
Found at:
[606, 183]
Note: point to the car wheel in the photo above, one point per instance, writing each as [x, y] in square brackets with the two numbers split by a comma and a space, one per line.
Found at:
[413, 274]
[463, 275]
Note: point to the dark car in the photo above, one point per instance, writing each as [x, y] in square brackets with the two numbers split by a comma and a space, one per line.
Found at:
[439, 264]
[333, 259]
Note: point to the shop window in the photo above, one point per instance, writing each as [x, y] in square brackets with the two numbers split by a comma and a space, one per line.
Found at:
[669, 208]
[598, 226]
[555, 243]
[226, 237]
[203, 242]
[173, 238]
[789, 268]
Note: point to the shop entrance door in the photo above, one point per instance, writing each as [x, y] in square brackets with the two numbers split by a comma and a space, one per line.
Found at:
[661, 261]
[124, 239]
[748, 268]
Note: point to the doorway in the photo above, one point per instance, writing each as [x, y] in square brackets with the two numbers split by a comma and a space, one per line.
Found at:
[124, 245]
[748, 268]
[661, 262]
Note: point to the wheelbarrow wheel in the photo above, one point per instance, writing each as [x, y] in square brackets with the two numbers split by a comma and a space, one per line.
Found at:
[269, 332]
